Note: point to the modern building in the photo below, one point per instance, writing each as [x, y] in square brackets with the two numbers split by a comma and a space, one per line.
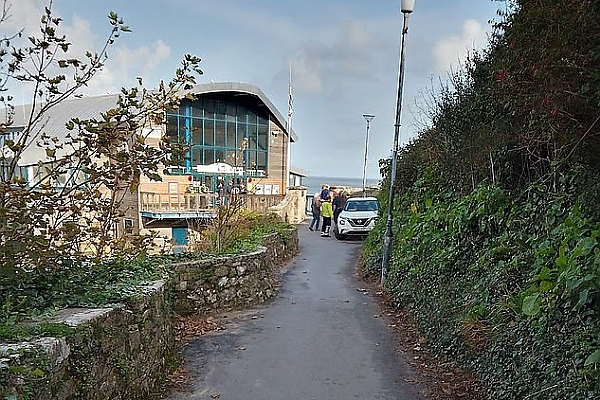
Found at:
[235, 140]
[233, 133]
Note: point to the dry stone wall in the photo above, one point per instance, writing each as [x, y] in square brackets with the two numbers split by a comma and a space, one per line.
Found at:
[123, 352]
[119, 352]
[224, 283]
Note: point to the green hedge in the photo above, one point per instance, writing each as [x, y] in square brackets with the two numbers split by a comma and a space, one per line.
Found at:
[508, 285]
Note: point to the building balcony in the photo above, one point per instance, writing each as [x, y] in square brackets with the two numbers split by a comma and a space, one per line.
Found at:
[155, 206]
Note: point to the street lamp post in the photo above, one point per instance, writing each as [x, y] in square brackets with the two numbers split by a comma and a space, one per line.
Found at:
[406, 8]
[368, 118]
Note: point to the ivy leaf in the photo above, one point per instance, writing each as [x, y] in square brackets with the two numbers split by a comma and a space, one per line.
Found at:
[561, 261]
[546, 286]
[593, 358]
[16, 369]
[583, 298]
[586, 244]
[38, 373]
[531, 305]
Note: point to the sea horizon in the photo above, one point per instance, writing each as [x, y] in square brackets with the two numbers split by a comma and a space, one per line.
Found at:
[314, 183]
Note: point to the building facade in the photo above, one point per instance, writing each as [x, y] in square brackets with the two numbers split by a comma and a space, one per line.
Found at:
[232, 135]
[233, 140]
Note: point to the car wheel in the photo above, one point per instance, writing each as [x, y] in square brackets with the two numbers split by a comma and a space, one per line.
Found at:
[338, 235]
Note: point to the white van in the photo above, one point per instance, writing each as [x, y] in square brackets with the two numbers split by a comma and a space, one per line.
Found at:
[357, 218]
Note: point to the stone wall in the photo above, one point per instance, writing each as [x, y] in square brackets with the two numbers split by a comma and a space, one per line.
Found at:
[123, 352]
[224, 283]
[120, 352]
[293, 207]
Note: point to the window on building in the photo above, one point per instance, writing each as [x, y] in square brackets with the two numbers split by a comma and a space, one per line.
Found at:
[231, 113]
[209, 132]
[220, 133]
[231, 135]
[197, 156]
[209, 156]
[263, 137]
[197, 132]
[209, 108]
[216, 128]
[128, 225]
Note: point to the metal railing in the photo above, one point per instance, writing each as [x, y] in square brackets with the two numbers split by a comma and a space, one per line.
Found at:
[196, 202]
[187, 202]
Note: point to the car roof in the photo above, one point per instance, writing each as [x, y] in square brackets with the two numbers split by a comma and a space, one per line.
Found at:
[361, 198]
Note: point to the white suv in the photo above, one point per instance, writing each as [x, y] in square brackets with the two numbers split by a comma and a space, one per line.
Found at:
[357, 218]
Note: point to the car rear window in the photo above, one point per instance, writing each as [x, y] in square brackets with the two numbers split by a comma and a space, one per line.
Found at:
[366, 205]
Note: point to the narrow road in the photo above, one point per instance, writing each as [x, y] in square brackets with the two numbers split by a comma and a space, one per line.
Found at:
[321, 338]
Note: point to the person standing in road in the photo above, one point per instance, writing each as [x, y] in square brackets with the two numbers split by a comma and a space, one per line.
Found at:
[324, 191]
[338, 204]
[316, 213]
[327, 214]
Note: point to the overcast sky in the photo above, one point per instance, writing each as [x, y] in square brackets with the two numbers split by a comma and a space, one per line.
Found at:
[343, 53]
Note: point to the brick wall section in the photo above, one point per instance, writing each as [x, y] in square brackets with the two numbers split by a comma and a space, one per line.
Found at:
[123, 352]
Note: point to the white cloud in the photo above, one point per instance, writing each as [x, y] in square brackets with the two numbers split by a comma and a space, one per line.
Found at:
[317, 63]
[307, 69]
[123, 64]
[454, 49]
[24, 14]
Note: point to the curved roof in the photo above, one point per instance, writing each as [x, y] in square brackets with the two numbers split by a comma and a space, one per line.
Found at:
[238, 87]
[92, 107]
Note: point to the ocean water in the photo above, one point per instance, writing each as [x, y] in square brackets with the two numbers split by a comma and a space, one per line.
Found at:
[314, 183]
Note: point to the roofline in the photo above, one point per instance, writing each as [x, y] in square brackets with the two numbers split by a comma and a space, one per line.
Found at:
[220, 87]
[299, 171]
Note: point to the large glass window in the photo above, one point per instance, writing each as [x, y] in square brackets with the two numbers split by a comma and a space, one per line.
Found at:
[221, 109]
[221, 129]
[231, 112]
[252, 138]
[209, 132]
[198, 109]
[197, 131]
[209, 156]
[172, 128]
[220, 133]
[242, 130]
[261, 160]
[231, 142]
[252, 159]
[209, 108]
[219, 155]
[197, 154]
[263, 137]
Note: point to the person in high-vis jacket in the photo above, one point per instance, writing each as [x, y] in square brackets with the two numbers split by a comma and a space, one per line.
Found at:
[327, 215]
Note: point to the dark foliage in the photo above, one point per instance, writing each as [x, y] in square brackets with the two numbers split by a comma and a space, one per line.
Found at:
[496, 225]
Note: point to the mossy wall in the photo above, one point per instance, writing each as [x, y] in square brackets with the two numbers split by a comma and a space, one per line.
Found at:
[120, 352]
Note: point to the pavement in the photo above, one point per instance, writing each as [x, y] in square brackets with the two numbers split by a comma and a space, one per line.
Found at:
[322, 338]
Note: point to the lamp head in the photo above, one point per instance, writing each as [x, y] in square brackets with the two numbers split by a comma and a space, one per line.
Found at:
[368, 117]
[406, 6]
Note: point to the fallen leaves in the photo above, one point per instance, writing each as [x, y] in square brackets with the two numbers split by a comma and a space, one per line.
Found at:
[189, 328]
[186, 329]
[439, 380]
[180, 379]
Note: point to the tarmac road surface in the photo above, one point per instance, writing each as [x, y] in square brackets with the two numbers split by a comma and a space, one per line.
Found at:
[321, 338]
